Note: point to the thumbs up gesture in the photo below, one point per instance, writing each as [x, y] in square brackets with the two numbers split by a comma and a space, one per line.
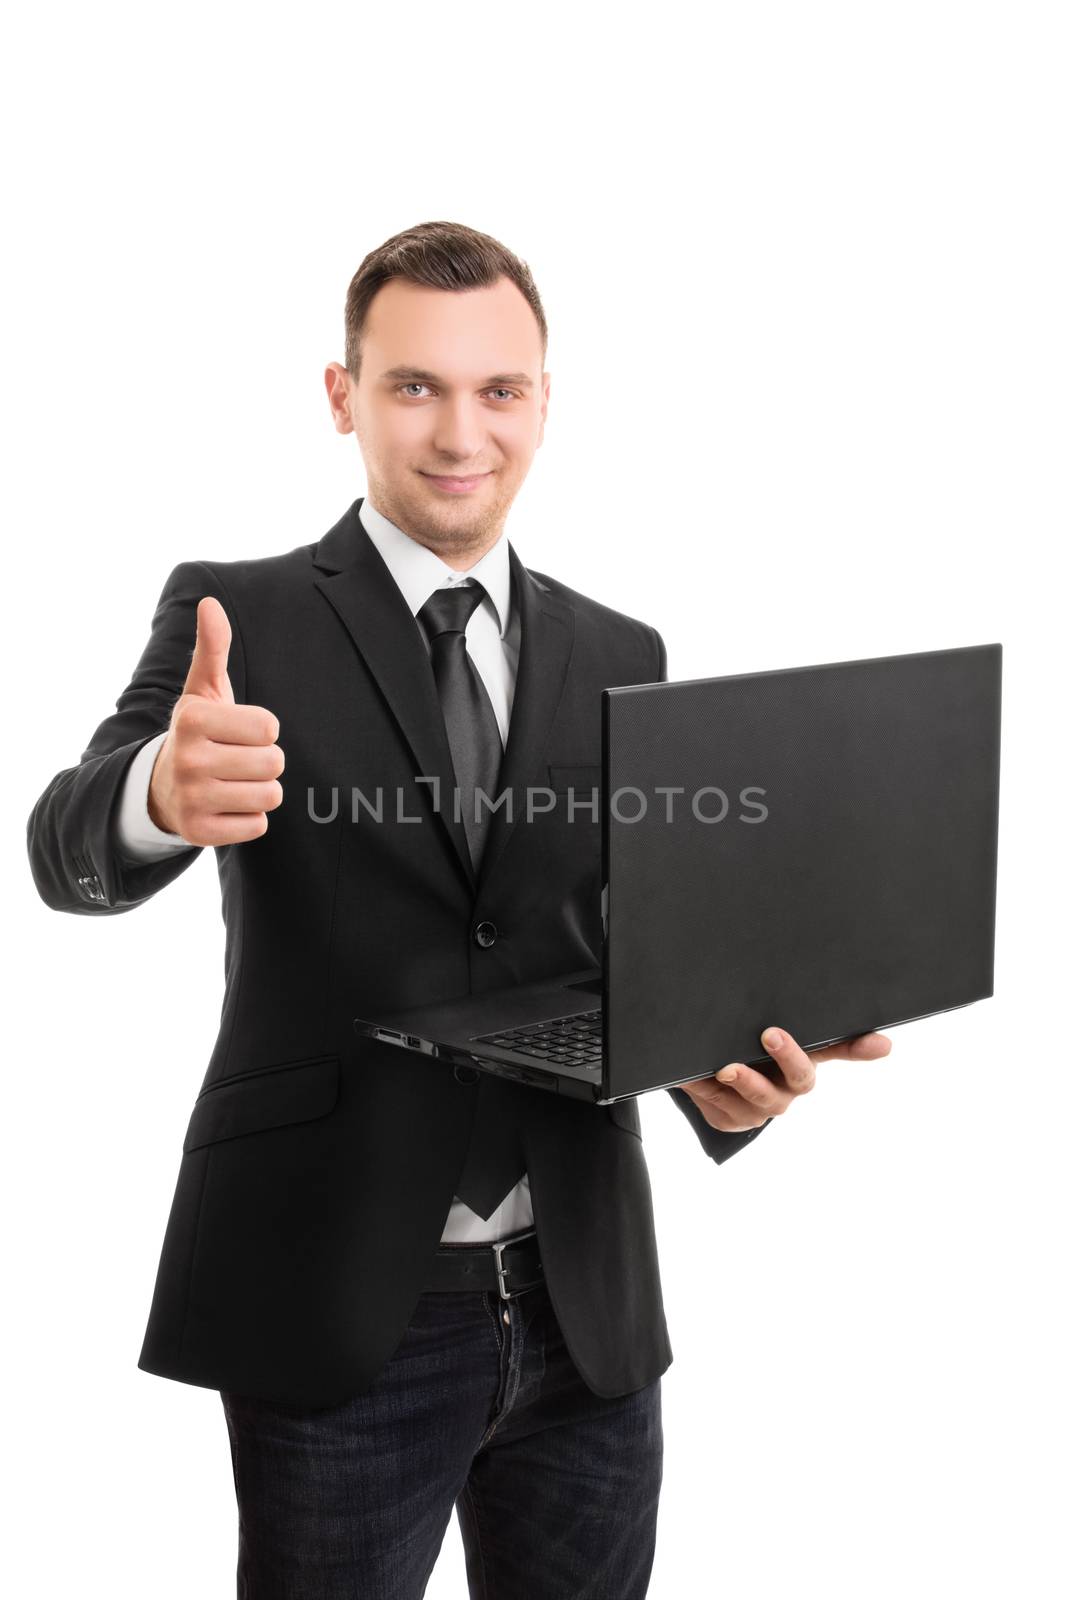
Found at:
[216, 774]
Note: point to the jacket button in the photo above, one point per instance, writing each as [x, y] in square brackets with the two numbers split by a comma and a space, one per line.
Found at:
[465, 1074]
[485, 934]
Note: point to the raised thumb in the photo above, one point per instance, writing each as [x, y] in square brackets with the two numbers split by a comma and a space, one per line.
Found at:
[207, 675]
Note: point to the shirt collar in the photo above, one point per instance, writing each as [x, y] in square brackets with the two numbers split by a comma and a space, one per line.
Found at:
[417, 571]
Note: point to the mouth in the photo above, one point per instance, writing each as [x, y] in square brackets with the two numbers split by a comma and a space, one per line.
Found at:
[456, 485]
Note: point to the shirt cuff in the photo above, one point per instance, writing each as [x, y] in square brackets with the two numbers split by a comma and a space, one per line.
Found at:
[137, 836]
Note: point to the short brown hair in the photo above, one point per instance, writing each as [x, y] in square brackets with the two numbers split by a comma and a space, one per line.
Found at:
[440, 255]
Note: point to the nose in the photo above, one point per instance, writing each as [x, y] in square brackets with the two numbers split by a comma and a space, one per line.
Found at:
[460, 430]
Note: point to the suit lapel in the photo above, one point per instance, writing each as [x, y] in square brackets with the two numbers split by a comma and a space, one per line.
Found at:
[361, 589]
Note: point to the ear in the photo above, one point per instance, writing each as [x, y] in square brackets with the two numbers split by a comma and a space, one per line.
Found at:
[339, 393]
[546, 384]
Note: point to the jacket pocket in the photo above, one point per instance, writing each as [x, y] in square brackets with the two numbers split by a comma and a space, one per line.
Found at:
[624, 1114]
[290, 1092]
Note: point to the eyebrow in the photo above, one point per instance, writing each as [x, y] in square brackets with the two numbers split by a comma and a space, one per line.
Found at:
[420, 375]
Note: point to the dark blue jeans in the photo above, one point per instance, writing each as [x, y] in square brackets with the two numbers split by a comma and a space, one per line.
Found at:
[480, 1407]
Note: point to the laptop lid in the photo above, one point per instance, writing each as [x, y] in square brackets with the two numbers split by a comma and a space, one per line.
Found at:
[826, 860]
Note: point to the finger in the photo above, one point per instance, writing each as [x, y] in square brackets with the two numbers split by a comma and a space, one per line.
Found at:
[228, 724]
[230, 827]
[207, 674]
[798, 1069]
[222, 796]
[755, 1090]
[864, 1047]
[245, 763]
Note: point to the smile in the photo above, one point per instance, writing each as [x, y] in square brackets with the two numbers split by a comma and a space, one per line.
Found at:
[456, 485]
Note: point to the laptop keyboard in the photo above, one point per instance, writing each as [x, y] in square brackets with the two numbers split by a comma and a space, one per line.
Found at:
[568, 1041]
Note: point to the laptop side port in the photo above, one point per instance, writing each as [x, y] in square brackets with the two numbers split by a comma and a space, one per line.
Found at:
[520, 1074]
[406, 1041]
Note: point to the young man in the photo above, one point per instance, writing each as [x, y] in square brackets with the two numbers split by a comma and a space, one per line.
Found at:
[329, 1261]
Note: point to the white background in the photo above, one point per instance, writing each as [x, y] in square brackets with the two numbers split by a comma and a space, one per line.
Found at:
[804, 275]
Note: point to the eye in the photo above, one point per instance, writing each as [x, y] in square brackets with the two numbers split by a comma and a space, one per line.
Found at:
[405, 388]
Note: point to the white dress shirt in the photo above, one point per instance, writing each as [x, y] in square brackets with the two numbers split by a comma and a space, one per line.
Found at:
[493, 639]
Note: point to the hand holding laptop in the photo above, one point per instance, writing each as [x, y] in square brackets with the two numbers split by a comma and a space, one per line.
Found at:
[737, 1097]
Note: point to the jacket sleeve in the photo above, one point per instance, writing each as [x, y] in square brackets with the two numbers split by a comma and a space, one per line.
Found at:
[716, 1144]
[72, 835]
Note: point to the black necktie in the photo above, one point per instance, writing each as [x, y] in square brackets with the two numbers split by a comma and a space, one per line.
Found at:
[470, 721]
[495, 1161]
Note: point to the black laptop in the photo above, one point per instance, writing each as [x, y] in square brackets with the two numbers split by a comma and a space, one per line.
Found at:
[814, 847]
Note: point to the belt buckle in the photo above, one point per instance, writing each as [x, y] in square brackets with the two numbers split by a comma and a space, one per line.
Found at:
[499, 1246]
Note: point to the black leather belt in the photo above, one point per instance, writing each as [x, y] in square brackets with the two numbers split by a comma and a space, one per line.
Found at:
[507, 1265]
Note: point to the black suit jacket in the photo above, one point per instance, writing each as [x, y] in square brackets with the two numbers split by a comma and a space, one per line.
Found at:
[318, 1169]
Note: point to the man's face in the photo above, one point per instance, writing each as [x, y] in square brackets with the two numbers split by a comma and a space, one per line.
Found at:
[451, 387]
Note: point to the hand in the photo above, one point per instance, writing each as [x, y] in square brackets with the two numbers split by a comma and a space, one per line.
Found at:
[216, 774]
[737, 1097]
